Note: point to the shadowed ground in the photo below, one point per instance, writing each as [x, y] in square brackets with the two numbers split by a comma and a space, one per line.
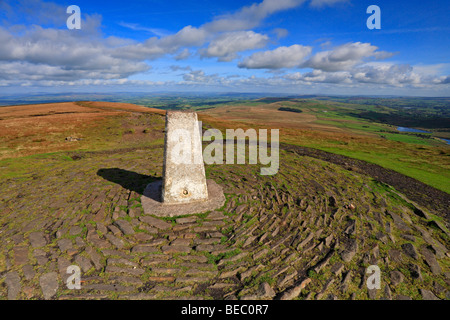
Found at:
[127, 179]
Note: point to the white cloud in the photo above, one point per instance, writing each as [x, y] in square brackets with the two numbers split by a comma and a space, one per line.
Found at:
[323, 3]
[280, 32]
[53, 53]
[227, 45]
[188, 36]
[442, 80]
[281, 57]
[183, 55]
[431, 69]
[344, 57]
[250, 16]
[384, 73]
[327, 77]
[178, 68]
[22, 70]
[136, 27]
[374, 73]
[50, 55]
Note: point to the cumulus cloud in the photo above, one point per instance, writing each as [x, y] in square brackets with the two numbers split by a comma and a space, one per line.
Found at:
[178, 68]
[33, 11]
[383, 73]
[374, 73]
[59, 54]
[199, 77]
[281, 57]
[183, 55]
[344, 57]
[228, 44]
[250, 16]
[52, 52]
[51, 55]
[443, 80]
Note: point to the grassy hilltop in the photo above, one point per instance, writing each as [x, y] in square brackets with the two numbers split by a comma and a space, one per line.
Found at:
[73, 174]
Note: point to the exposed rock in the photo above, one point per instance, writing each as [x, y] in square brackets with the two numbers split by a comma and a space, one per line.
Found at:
[415, 271]
[116, 231]
[93, 237]
[101, 227]
[184, 220]
[337, 268]
[144, 248]
[132, 271]
[265, 291]
[350, 250]
[83, 262]
[20, 255]
[49, 284]
[410, 250]
[387, 293]
[382, 237]
[95, 257]
[155, 222]
[75, 230]
[118, 243]
[12, 280]
[324, 289]
[431, 261]
[65, 244]
[372, 293]
[176, 249]
[395, 255]
[332, 202]
[295, 291]
[399, 223]
[324, 262]
[41, 256]
[428, 295]
[141, 237]
[125, 226]
[18, 238]
[37, 239]
[346, 281]
[396, 277]
[351, 227]
[439, 225]
[308, 238]
[28, 272]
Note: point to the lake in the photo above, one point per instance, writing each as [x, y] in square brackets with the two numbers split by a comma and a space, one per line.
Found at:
[405, 129]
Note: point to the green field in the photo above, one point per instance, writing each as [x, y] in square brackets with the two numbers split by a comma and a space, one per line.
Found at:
[422, 156]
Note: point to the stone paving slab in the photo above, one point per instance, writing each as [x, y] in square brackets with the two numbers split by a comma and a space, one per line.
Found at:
[151, 201]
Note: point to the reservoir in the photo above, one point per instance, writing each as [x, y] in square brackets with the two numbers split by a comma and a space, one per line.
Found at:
[405, 129]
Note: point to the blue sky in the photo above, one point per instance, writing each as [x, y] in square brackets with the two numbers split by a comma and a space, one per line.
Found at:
[285, 46]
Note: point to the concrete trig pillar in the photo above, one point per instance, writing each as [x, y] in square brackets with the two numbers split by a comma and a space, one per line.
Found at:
[184, 177]
[184, 188]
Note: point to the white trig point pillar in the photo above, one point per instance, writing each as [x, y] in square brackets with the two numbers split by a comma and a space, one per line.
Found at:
[184, 188]
[184, 177]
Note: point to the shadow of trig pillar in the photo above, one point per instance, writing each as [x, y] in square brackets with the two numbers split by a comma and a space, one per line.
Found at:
[184, 177]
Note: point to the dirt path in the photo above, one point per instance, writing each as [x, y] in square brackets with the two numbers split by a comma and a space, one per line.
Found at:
[422, 193]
